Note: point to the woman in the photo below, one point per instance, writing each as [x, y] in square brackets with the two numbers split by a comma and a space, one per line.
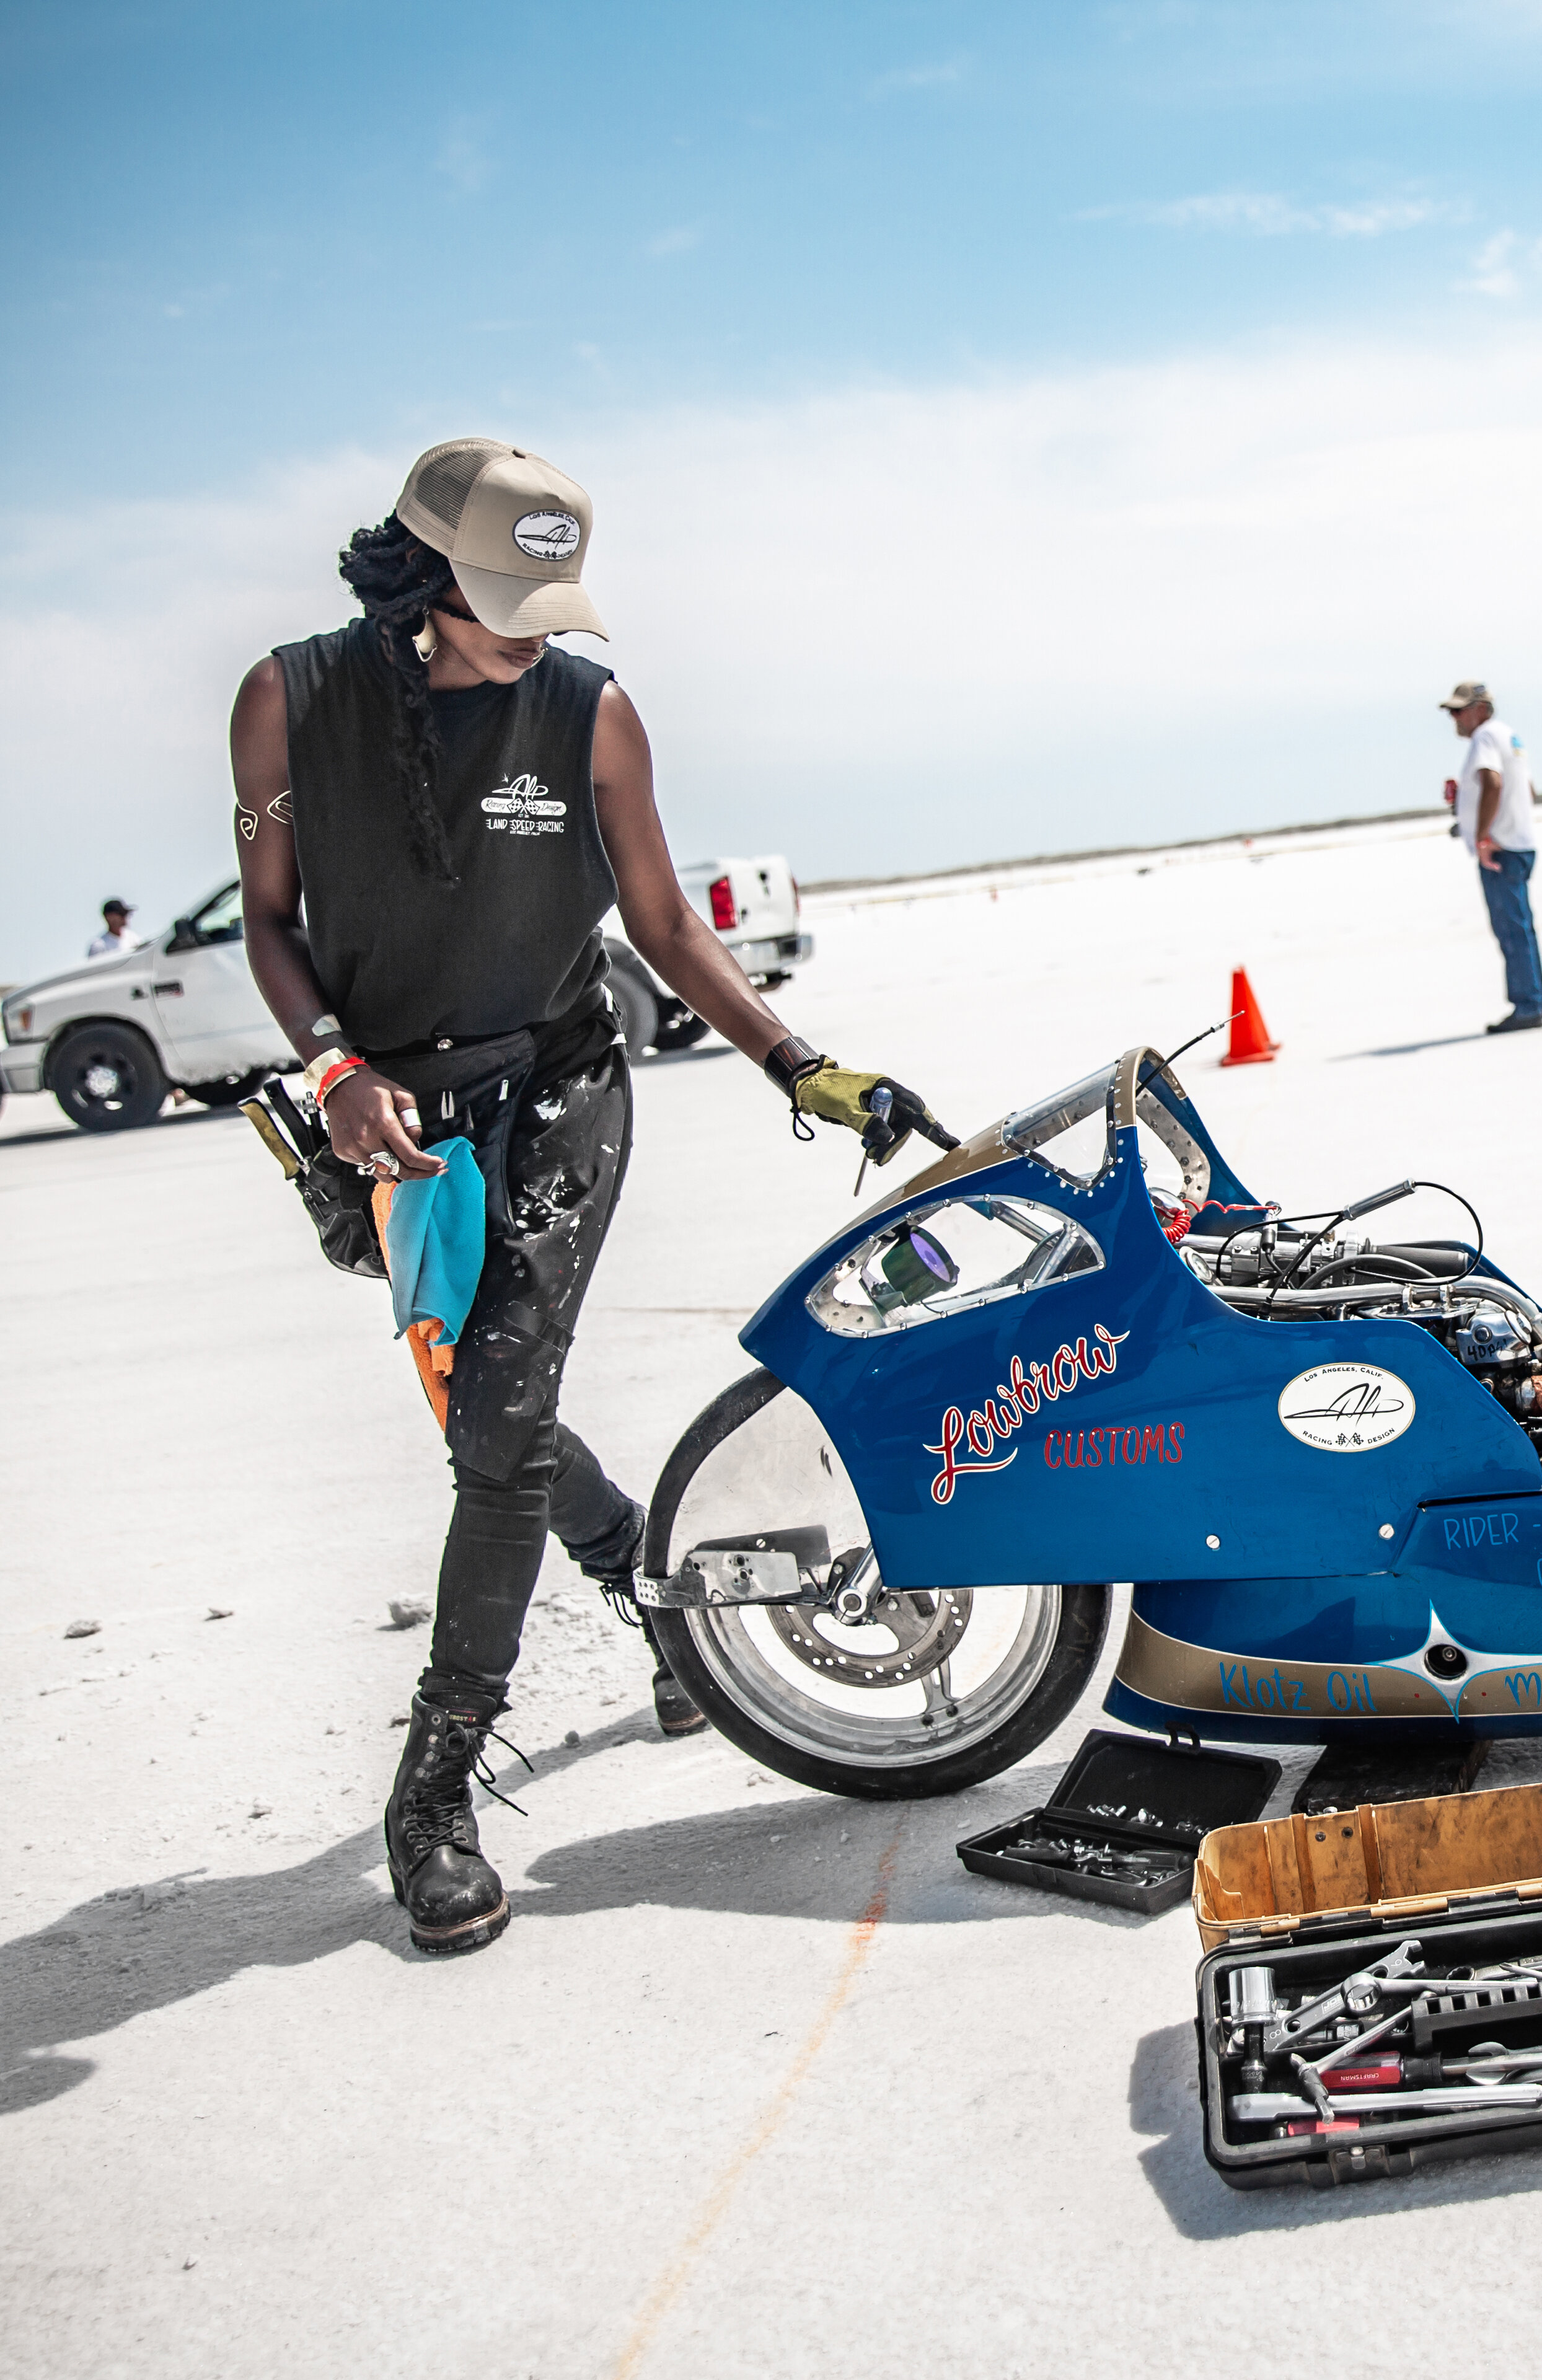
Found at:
[458, 804]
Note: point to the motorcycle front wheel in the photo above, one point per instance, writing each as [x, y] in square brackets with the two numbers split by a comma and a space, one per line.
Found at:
[938, 1688]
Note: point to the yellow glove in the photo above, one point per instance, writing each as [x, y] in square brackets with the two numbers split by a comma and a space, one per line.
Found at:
[874, 1106]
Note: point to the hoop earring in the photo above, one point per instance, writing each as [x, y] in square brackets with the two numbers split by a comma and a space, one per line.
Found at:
[426, 642]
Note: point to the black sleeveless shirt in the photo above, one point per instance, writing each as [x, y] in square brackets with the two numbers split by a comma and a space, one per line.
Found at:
[403, 958]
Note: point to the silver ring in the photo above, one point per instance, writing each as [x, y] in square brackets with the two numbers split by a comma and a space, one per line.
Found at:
[384, 1157]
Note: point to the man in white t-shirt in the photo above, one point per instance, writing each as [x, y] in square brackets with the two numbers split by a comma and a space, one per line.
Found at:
[117, 937]
[1494, 819]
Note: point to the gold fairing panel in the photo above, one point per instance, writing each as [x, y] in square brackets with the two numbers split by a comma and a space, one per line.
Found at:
[1201, 1678]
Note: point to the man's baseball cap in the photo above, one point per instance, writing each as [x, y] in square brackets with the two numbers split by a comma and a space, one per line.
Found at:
[515, 528]
[1471, 690]
[127, 907]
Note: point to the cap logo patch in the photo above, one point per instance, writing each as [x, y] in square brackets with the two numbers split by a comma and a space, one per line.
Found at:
[547, 536]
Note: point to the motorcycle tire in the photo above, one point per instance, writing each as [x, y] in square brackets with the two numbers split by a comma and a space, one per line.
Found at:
[758, 1459]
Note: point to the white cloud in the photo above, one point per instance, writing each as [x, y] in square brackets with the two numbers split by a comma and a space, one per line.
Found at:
[1268, 214]
[463, 158]
[1493, 274]
[921, 78]
[1370, 222]
[677, 241]
[1503, 265]
[882, 628]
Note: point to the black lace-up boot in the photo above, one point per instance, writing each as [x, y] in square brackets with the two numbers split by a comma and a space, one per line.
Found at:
[616, 1577]
[452, 1897]
[673, 1707]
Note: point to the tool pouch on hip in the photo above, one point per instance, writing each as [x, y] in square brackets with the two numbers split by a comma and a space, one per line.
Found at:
[336, 1198]
[335, 1195]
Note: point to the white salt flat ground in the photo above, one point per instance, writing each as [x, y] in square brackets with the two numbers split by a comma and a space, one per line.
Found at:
[758, 2082]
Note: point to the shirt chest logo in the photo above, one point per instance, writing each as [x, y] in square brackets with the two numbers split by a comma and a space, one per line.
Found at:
[524, 808]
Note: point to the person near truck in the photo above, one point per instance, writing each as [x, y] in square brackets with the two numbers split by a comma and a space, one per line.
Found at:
[1494, 817]
[116, 937]
[457, 803]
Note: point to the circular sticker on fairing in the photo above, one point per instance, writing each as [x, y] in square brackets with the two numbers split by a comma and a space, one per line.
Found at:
[1347, 1408]
[547, 536]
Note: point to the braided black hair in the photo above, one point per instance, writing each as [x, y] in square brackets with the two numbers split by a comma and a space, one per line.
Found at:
[397, 578]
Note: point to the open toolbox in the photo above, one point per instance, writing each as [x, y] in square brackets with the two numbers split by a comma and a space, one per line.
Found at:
[1370, 2000]
[1125, 1821]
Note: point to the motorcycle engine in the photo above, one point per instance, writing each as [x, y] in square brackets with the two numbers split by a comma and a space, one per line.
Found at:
[1277, 1274]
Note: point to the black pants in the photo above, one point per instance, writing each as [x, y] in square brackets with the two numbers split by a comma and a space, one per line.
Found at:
[548, 1113]
[492, 1553]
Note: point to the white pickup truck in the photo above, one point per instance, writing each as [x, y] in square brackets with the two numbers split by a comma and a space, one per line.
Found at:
[753, 906]
[111, 1037]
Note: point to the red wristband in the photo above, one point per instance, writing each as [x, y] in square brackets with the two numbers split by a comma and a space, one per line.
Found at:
[333, 1075]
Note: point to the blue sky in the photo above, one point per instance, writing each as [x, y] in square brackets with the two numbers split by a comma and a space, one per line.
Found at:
[234, 233]
[253, 257]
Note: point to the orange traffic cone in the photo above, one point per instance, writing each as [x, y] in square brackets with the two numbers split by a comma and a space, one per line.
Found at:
[1250, 1043]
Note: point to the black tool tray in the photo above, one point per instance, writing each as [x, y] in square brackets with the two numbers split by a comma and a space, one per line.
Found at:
[1126, 1798]
[1485, 1929]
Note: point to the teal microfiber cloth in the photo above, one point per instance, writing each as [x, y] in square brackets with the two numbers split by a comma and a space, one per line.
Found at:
[435, 1238]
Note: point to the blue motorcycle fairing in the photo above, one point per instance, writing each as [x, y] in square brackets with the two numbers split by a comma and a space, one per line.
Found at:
[1228, 1205]
[1153, 1423]
[1469, 1577]
[1478, 1562]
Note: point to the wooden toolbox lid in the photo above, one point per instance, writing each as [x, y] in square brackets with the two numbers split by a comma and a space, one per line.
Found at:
[1385, 1859]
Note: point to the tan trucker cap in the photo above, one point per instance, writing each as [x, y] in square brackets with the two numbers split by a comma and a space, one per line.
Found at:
[1471, 690]
[515, 528]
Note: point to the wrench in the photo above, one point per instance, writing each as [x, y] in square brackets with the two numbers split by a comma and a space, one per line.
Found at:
[1342, 2054]
[1358, 1995]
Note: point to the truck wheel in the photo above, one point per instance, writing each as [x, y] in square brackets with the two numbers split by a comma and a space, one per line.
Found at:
[681, 1032]
[107, 1078]
[637, 1008]
[230, 1089]
[938, 1688]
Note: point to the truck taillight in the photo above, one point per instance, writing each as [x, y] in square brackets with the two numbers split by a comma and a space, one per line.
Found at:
[797, 897]
[725, 915]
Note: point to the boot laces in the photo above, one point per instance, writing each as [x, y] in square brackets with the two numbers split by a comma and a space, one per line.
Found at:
[439, 1806]
[482, 1769]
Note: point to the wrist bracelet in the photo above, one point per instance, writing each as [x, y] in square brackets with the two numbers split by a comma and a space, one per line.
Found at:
[790, 1061]
[320, 1065]
[335, 1074]
[324, 1073]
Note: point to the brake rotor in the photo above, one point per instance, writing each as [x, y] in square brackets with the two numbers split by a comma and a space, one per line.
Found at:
[926, 1629]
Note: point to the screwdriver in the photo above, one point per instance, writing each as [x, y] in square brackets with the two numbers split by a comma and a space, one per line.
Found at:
[1490, 2063]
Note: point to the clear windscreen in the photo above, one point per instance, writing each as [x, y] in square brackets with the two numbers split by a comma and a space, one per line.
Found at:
[1070, 1130]
[960, 1253]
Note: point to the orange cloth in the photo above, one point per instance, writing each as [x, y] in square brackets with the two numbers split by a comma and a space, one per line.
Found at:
[434, 1364]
